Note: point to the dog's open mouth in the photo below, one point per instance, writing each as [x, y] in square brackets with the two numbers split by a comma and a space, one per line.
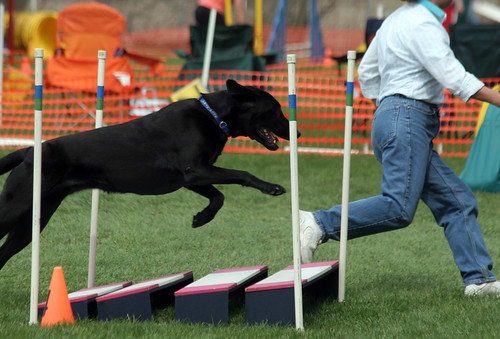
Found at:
[267, 138]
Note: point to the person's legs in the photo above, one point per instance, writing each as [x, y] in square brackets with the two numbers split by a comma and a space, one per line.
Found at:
[455, 208]
[402, 134]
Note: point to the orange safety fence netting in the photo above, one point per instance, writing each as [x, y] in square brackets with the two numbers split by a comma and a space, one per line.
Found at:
[320, 108]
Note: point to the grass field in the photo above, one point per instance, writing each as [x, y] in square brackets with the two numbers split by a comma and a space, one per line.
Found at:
[402, 284]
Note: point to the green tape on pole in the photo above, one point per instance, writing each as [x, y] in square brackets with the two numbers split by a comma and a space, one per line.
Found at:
[38, 104]
[38, 97]
[349, 99]
[100, 103]
[293, 114]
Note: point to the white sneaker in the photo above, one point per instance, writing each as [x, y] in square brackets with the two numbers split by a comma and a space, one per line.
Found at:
[490, 288]
[310, 236]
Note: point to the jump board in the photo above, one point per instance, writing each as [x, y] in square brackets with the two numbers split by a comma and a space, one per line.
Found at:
[83, 302]
[207, 299]
[136, 301]
[271, 300]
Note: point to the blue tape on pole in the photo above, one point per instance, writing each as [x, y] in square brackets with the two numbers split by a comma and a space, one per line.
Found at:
[350, 87]
[292, 107]
[292, 101]
[38, 91]
[100, 92]
[350, 94]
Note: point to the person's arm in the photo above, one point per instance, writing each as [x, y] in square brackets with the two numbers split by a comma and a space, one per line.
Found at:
[368, 74]
[430, 46]
[488, 95]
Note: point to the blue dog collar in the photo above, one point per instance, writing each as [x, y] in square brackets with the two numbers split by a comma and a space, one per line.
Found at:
[221, 123]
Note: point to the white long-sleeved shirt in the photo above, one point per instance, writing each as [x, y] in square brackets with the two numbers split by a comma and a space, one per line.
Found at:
[411, 55]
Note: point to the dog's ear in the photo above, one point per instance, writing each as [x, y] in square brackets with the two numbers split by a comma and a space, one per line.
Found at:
[238, 91]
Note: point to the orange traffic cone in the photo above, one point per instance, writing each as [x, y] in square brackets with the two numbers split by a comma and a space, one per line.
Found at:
[58, 308]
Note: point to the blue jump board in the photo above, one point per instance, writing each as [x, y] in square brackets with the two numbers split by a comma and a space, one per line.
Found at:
[272, 300]
[207, 299]
[135, 301]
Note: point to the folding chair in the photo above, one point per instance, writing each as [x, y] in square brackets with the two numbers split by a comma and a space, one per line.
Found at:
[82, 30]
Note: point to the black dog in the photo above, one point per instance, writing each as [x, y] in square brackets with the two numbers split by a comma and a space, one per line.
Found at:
[156, 154]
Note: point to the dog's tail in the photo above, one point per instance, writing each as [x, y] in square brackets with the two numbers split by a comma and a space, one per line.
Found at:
[13, 159]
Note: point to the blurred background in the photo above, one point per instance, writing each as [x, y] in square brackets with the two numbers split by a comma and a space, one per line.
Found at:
[156, 55]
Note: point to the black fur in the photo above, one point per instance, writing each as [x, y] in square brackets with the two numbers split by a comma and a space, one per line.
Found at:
[156, 154]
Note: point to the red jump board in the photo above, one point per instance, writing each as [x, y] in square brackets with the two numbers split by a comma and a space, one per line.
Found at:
[146, 285]
[271, 300]
[207, 299]
[285, 277]
[92, 292]
[221, 280]
[137, 301]
[80, 299]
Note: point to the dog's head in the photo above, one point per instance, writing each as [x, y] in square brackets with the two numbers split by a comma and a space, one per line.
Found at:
[257, 115]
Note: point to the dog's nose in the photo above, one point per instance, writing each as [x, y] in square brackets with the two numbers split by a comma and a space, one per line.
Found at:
[298, 134]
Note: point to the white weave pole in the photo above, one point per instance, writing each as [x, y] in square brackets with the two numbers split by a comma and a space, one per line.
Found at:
[294, 179]
[37, 187]
[208, 47]
[351, 60]
[94, 217]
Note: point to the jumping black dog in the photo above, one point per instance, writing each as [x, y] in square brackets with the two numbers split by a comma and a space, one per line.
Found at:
[156, 154]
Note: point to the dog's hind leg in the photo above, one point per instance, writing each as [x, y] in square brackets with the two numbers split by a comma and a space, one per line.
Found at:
[13, 159]
[216, 201]
[20, 235]
[17, 239]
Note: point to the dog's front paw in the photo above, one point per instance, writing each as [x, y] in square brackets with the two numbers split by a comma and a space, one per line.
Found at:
[274, 189]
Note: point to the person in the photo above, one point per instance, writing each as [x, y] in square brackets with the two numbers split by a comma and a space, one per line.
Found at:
[404, 72]
[202, 11]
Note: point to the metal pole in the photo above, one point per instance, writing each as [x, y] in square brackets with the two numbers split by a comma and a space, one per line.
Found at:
[258, 27]
[208, 48]
[94, 217]
[228, 12]
[294, 177]
[33, 6]
[37, 187]
[351, 59]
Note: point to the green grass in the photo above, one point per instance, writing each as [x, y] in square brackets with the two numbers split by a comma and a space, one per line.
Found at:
[401, 284]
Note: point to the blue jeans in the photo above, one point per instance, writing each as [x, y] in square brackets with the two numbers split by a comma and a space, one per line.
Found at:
[402, 134]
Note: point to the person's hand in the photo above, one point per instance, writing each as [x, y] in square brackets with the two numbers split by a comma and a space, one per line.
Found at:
[488, 95]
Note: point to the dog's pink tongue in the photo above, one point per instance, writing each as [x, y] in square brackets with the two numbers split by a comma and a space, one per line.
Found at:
[271, 136]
